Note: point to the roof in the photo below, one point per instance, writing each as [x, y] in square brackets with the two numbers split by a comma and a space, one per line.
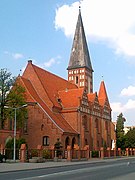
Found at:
[102, 95]
[48, 84]
[56, 118]
[70, 98]
[91, 97]
[79, 57]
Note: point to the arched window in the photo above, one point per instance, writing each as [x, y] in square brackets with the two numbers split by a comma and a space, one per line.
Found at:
[73, 142]
[67, 141]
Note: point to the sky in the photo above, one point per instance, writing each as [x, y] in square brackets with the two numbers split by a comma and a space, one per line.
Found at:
[43, 30]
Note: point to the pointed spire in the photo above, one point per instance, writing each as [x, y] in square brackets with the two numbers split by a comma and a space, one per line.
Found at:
[79, 54]
[102, 95]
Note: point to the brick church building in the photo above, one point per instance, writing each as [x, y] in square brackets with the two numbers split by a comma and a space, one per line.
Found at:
[67, 109]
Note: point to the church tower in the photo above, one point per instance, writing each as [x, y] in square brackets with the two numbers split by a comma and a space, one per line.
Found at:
[80, 70]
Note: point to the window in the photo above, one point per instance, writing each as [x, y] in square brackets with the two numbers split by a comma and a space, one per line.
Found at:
[76, 79]
[83, 83]
[46, 141]
[85, 123]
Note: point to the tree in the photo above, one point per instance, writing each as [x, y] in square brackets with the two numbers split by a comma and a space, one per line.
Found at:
[6, 82]
[120, 139]
[58, 146]
[130, 139]
[15, 99]
[12, 95]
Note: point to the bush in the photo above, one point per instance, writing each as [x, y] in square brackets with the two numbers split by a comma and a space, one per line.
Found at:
[46, 154]
[95, 154]
[34, 153]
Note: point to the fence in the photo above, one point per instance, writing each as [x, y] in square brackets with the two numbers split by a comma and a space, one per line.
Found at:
[68, 154]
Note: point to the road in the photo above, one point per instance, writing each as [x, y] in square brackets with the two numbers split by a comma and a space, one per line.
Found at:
[112, 170]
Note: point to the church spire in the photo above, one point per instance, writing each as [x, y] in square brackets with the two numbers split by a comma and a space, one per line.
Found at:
[80, 61]
[79, 54]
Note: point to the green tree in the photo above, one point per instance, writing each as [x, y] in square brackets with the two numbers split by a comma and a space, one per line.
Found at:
[58, 147]
[16, 99]
[10, 143]
[120, 138]
[6, 82]
[10, 146]
[130, 139]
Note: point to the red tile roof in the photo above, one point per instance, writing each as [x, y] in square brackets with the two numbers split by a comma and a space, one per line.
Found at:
[70, 97]
[91, 97]
[56, 118]
[51, 83]
[102, 95]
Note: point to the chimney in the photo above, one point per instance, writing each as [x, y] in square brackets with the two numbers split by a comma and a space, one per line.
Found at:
[30, 61]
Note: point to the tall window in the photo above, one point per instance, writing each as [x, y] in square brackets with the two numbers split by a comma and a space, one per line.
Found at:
[76, 79]
[45, 140]
[85, 123]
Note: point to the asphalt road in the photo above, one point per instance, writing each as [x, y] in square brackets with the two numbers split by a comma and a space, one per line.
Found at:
[118, 170]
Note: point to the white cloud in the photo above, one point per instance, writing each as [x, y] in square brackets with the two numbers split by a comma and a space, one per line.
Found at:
[52, 61]
[130, 91]
[17, 55]
[49, 63]
[130, 104]
[117, 107]
[111, 21]
[14, 55]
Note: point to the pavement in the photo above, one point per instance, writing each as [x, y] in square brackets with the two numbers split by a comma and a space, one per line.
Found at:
[16, 166]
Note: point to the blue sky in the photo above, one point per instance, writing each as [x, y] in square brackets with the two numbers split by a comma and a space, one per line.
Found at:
[42, 30]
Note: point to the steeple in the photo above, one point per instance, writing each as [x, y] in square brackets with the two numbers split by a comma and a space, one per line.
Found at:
[102, 95]
[80, 63]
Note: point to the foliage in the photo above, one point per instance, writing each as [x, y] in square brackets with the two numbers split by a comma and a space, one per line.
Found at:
[120, 139]
[46, 154]
[34, 153]
[130, 139]
[95, 154]
[6, 83]
[58, 146]
[10, 143]
[10, 146]
[16, 99]
[104, 144]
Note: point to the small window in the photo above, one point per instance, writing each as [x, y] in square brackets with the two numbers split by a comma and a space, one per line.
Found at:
[46, 141]
[76, 79]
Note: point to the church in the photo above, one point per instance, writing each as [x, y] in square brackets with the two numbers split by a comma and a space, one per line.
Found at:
[67, 109]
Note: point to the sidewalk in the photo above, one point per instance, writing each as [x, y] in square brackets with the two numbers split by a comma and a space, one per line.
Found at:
[15, 166]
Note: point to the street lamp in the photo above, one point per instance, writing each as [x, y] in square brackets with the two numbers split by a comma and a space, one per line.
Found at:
[15, 108]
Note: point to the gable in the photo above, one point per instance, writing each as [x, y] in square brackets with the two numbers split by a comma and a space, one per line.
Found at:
[46, 84]
[57, 119]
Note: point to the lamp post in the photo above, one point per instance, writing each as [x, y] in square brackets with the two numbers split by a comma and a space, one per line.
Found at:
[14, 155]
